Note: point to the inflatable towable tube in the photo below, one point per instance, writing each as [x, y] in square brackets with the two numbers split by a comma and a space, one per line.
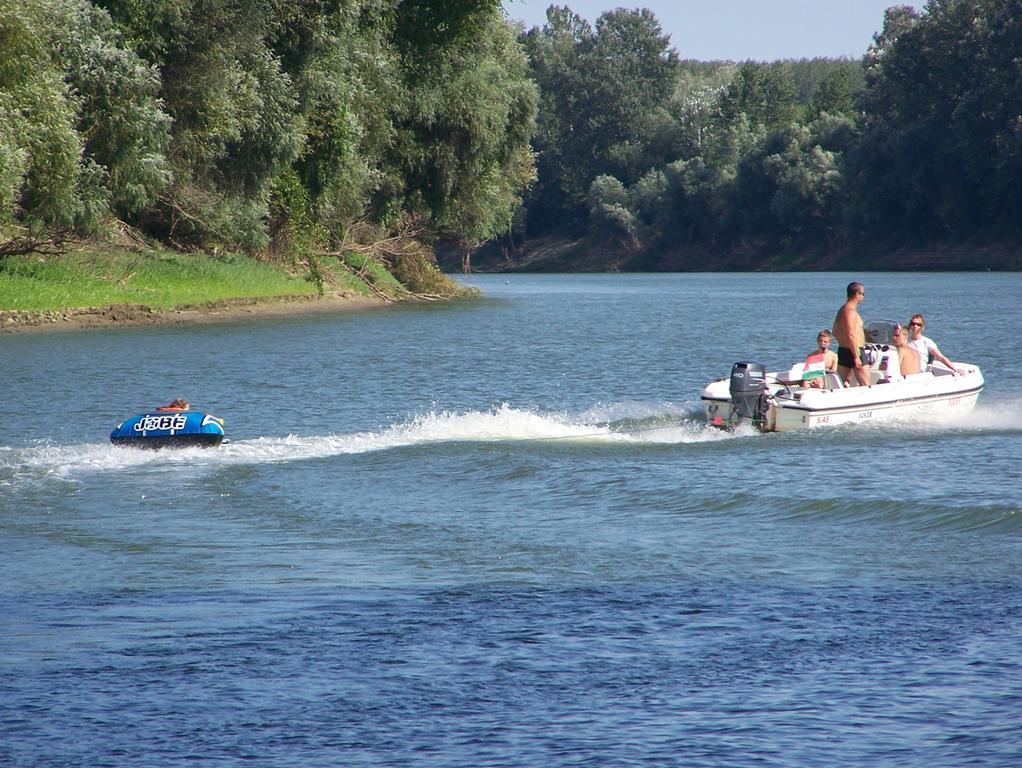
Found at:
[169, 429]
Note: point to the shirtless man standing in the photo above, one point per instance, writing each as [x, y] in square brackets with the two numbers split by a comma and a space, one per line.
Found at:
[851, 338]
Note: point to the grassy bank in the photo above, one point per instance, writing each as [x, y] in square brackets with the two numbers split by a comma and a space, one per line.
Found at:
[162, 280]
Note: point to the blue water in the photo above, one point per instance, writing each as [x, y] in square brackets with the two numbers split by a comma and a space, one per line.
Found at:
[496, 533]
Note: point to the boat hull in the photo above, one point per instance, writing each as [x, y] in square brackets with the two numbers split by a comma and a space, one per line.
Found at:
[928, 398]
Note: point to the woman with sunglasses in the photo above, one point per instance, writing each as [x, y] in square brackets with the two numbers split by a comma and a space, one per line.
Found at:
[924, 345]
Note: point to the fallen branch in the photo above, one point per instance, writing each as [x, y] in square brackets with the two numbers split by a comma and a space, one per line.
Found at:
[360, 274]
[50, 244]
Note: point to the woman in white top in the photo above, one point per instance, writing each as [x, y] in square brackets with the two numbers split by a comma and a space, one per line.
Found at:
[925, 346]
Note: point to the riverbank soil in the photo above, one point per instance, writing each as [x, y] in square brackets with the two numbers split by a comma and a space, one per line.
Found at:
[117, 315]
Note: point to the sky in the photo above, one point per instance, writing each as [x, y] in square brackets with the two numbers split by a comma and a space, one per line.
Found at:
[764, 30]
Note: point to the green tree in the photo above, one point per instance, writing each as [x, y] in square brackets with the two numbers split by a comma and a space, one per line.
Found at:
[40, 150]
[764, 93]
[81, 124]
[694, 208]
[121, 119]
[793, 185]
[556, 54]
[941, 148]
[809, 185]
[837, 94]
[236, 122]
[604, 96]
[346, 73]
[634, 71]
[463, 127]
[609, 211]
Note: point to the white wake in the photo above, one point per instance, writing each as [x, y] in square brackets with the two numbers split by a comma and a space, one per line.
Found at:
[616, 424]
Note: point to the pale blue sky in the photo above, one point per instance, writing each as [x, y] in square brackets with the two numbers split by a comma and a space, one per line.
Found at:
[764, 30]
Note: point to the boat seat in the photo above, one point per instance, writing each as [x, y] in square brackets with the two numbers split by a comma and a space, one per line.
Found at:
[832, 381]
[891, 363]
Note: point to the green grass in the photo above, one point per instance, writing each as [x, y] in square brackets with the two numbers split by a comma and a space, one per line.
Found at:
[159, 279]
[162, 279]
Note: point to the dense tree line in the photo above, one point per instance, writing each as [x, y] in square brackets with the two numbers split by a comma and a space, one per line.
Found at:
[268, 125]
[286, 126]
[921, 139]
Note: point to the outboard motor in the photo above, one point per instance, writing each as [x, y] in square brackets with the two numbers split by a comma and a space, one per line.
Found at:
[748, 392]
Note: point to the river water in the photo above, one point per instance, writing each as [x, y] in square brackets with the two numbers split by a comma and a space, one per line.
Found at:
[496, 533]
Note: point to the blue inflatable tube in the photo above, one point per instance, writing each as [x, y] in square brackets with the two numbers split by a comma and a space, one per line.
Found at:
[169, 429]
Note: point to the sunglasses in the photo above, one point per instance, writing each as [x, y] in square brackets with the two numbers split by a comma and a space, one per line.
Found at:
[920, 325]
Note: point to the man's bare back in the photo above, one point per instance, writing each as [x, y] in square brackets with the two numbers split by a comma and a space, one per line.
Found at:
[851, 337]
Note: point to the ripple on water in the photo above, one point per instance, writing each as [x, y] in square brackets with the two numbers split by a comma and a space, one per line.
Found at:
[682, 673]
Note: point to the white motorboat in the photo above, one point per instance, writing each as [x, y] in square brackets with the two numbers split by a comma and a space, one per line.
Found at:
[783, 400]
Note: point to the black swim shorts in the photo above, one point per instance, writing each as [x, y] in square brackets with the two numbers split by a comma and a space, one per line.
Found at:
[846, 359]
